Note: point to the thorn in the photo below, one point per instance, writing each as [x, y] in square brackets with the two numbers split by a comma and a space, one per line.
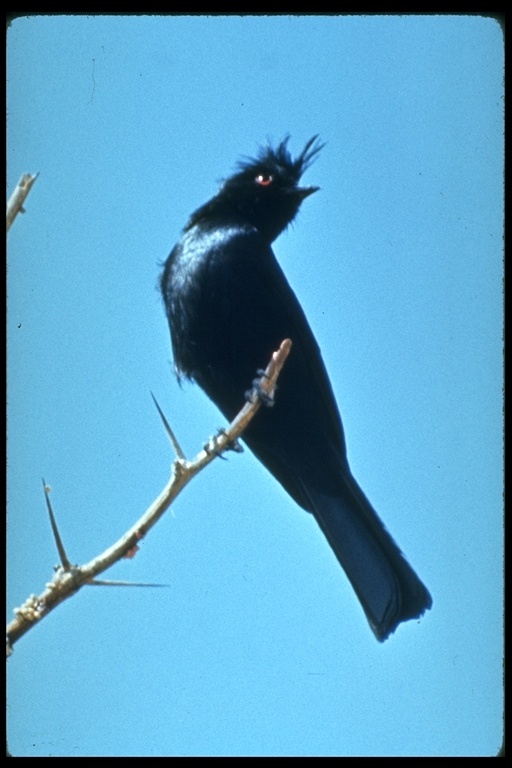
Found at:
[58, 541]
[172, 437]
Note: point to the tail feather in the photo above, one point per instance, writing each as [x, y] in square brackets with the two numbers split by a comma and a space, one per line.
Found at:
[387, 587]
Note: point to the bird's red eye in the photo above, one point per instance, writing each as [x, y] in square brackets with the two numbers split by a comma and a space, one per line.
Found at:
[264, 179]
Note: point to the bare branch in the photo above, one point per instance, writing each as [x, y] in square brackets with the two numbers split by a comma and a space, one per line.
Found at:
[15, 204]
[69, 579]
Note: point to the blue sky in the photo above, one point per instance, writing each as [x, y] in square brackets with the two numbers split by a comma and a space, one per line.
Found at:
[258, 646]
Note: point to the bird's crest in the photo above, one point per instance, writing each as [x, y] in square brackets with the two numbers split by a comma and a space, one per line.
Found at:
[280, 158]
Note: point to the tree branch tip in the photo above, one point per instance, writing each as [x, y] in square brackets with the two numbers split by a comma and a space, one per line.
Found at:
[282, 353]
[16, 200]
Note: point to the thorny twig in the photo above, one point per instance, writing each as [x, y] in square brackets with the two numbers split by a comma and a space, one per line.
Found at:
[69, 578]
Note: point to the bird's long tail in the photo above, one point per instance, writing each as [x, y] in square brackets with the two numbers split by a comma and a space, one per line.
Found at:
[389, 590]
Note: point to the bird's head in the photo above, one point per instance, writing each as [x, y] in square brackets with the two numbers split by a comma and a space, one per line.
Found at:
[265, 190]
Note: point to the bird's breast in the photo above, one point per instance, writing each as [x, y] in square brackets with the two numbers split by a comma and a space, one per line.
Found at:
[205, 280]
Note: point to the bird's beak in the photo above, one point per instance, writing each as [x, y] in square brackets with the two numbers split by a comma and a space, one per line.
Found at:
[303, 192]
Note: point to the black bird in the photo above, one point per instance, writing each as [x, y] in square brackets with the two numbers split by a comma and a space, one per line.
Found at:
[229, 306]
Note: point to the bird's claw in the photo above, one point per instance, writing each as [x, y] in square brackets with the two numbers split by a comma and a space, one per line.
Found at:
[212, 447]
[257, 392]
[232, 445]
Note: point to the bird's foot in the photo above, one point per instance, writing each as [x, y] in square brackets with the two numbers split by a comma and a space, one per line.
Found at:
[212, 445]
[233, 445]
[257, 392]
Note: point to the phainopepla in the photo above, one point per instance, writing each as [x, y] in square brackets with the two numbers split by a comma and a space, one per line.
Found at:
[229, 306]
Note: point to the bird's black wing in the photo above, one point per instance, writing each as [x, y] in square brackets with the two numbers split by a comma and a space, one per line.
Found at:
[238, 311]
[234, 312]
